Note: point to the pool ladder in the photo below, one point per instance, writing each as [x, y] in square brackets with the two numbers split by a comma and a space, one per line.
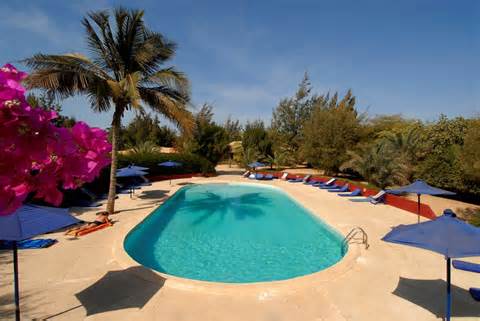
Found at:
[356, 236]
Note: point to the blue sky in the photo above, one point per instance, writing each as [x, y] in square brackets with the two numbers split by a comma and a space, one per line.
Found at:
[418, 58]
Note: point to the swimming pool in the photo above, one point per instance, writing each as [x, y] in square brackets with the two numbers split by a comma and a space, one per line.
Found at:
[234, 233]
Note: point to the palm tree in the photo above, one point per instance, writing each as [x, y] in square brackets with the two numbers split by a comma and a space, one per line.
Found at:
[405, 145]
[375, 165]
[124, 71]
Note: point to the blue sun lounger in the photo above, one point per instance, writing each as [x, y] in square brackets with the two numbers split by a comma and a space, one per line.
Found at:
[377, 198]
[300, 179]
[356, 192]
[259, 176]
[268, 177]
[466, 266]
[334, 186]
[475, 293]
[295, 180]
[470, 267]
[342, 189]
[330, 183]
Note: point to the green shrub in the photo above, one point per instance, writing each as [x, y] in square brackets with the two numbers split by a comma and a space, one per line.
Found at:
[471, 215]
[190, 163]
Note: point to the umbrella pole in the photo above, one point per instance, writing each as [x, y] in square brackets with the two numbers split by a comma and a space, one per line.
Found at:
[15, 281]
[449, 297]
[418, 207]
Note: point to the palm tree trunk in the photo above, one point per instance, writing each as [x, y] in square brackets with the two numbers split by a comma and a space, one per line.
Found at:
[113, 167]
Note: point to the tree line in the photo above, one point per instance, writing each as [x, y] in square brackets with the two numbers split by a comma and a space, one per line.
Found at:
[327, 132]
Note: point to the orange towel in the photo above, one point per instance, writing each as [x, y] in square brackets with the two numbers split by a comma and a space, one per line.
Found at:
[93, 229]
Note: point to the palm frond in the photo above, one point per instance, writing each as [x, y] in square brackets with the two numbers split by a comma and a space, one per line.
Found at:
[63, 75]
[154, 50]
[170, 104]
[171, 78]
[97, 46]
[101, 19]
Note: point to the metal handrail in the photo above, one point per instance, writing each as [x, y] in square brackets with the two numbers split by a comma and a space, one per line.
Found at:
[352, 236]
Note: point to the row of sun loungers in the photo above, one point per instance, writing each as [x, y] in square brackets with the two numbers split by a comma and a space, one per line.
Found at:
[330, 185]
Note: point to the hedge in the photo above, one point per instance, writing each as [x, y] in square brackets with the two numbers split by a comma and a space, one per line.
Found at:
[190, 163]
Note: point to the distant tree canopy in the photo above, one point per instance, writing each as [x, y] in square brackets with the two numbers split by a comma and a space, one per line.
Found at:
[256, 142]
[233, 129]
[288, 120]
[470, 154]
[145, 128]
[333, 128]
[208, 139]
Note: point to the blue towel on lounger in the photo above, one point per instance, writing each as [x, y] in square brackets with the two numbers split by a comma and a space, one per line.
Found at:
[28, 244]
[296, 180]
[268, 177]
[334, 186]
[342, 189]
[356, 192]
[475, 293]
[466, 266]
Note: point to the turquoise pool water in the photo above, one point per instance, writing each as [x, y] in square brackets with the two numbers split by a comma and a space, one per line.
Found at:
[236, 233]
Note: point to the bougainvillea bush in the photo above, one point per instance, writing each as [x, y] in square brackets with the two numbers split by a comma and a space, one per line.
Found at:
[38, 158]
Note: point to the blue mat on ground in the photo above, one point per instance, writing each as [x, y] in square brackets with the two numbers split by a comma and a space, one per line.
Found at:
[28, 244]
[466, 266]
[475, 293]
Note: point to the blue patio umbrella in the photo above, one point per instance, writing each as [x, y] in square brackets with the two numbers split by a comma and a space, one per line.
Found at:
[170, 164]
[130, 172]
[135, 167]
[256, 164]
[26, 222]
[445, 235]
[419, 187]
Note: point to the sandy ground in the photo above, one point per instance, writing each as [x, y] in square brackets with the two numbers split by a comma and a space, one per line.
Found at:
[92, 278]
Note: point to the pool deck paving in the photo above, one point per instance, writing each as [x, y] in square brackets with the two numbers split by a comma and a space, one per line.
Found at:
[92, 277]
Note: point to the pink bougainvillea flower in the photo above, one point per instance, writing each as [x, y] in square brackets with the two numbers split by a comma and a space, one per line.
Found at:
[38, 158]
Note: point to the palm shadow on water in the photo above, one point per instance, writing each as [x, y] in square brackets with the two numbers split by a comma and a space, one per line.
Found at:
[243, 206]
[431, 295]
[246, 206]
